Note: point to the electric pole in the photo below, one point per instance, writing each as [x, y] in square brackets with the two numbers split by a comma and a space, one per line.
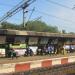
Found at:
[24, 12]
[21, 6]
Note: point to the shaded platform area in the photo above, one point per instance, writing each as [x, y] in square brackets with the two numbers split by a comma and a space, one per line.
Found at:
[32, 58]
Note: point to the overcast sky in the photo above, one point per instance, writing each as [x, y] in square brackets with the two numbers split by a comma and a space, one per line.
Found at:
[54, 12]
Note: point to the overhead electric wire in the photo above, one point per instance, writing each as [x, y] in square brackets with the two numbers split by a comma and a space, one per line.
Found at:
[32, 10]
[38, 18]
[28, 18]
[51, 14]
[10, 16]
[8, 13]
[22, 5]
[55, 16]
[31, 13]
[53, 2]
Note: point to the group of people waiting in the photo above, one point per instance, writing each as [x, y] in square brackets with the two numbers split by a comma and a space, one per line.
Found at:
[45, 50]
[41, 50]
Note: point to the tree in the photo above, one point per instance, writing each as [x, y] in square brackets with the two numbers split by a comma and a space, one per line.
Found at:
[40, 26]
[31, 26]
[6, 25]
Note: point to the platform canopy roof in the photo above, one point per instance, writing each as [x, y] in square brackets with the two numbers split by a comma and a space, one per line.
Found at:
[33, 33]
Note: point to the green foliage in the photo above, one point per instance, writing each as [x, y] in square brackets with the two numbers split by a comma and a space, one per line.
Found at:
[31, 26]
[6, 25]
[40, 26]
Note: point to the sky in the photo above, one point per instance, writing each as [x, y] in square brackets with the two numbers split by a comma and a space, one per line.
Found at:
[54, 12]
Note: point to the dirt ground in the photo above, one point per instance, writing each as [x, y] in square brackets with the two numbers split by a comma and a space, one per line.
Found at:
[31, 58]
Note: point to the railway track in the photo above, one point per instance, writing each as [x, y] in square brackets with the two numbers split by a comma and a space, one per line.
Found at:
[67, 69]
